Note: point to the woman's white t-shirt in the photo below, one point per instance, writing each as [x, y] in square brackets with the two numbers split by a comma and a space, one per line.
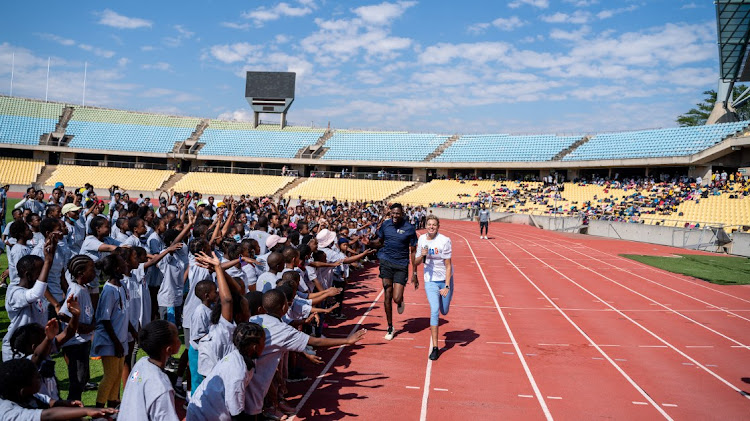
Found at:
[438, 249]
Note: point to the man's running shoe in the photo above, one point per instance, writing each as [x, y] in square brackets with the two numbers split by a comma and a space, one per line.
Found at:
[401, 306]
[390, 333]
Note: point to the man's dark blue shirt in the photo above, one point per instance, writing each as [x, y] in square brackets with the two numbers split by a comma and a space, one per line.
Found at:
[396, 242]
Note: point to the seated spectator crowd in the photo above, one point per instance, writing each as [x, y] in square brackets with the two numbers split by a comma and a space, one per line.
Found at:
[623, 199]
[222, 299]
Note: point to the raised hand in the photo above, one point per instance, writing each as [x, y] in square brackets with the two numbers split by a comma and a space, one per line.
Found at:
[313, 358]
[51, 329]
[207, 261]
[356, 336]
[73, 306]
[174, 247]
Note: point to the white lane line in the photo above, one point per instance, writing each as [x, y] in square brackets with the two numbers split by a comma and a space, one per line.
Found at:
[602, 345]
[333, 359]
[699, 346]
[412, 387]
[404, 339]
[652, 346]
[534, 386]
[331, 381]
[659, 271]
[644, 328]
[585, 335]
[597, 358]
[426, 393]
[639, 403]
[671, 405]
[501, 343]
[440, 390]
[554, 344]
[554, 397]
[525, 396]
[665, 306]
[509, 353]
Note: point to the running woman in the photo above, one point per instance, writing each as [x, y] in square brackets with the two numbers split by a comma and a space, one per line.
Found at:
[398, 239]
[484, 221]
[434, 249]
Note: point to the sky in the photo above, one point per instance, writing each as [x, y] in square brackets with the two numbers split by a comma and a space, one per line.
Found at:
[481, 66]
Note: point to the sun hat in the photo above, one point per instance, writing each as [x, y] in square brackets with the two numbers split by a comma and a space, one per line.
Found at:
[273, 240]
[325, 237]
[70, 207]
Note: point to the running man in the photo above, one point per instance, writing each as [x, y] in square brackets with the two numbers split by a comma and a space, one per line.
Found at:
[398, 239]
[434, 249]
[484, 221]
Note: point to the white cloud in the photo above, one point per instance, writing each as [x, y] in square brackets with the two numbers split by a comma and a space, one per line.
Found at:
[123, 61]
[241, 26]
[576, 17]
[691, 5]
[69, 43]
[508, 24]
[606, 14]
[576, 35]
[182, 34]
[478, 28]
[541, 4]
[115, 20]
[480, 52]
[96, 50]
[162, 66]
[369, 77]
[56, 38]
[233, 53]
[282, 39]
[264, 14]
[383, 13]
[582, 3]
[148, 48]
[243, 114]
[169, 95]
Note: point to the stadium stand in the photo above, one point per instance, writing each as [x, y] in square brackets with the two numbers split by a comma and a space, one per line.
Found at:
[126, 178]
[19, 170]
[232, 184]
[347, 189]
[381, 146]
[505, 148]
[23, 121]
[238, 139]
[98, 128]
[654, 143]
[446, 191]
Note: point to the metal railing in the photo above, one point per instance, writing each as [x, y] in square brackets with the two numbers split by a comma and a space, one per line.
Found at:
[363, 175]
[241, 170]
[116, 164]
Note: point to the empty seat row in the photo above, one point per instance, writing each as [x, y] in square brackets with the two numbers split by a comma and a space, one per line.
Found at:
[19, 170]
[347, 189]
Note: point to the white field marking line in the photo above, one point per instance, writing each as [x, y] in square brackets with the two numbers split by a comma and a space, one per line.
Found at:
[671, 405]
[641, 265]
[412, 387]
[588, 338]
[645, 329]
[332, 360]
[440, 390]
[534, 386]
[426, 393]
[664, 306]
[554, 397]
[709, 305]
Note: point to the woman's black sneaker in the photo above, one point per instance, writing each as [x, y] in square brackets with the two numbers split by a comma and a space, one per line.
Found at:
[435, 353]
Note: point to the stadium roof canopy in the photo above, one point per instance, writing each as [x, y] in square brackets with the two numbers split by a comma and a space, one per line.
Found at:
[733, 21]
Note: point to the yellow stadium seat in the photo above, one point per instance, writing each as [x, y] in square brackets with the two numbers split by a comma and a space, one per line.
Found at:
[104, 177]
[19, 170]
[232, 184]
[347, 189]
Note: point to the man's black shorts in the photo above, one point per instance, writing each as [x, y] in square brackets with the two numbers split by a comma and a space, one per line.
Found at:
[395, 272]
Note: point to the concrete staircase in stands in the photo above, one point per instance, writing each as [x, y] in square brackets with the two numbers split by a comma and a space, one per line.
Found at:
[441, 148]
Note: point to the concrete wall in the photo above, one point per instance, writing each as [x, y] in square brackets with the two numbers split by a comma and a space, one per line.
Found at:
[740, 244]
[695, 239]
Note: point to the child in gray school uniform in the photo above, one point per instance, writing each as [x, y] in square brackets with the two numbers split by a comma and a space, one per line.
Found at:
[199, 324]
[148, 394]
[221, 396]
[280, 337]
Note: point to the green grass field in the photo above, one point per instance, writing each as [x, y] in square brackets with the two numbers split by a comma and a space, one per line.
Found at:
[722, 270]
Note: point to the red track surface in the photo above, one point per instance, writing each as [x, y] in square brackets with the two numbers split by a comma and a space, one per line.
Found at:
[596, 336]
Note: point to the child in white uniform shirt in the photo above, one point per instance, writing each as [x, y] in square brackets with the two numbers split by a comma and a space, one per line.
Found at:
[280, 337]
[148, 394]
[200, 321]
[19, 398]
[25, 301]
[112, 327]
[77, 350]
[221, 396]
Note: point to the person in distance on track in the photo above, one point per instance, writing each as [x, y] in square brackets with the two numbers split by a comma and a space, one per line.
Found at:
[484, 221]
[434, 249]
[398, 239]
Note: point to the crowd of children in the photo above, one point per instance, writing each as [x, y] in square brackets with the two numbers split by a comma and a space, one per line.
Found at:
[248, 282]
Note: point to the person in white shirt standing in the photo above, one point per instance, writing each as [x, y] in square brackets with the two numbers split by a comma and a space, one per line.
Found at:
[434, 249]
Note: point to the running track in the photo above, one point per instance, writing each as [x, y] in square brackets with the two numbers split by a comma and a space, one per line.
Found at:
[543, 325]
